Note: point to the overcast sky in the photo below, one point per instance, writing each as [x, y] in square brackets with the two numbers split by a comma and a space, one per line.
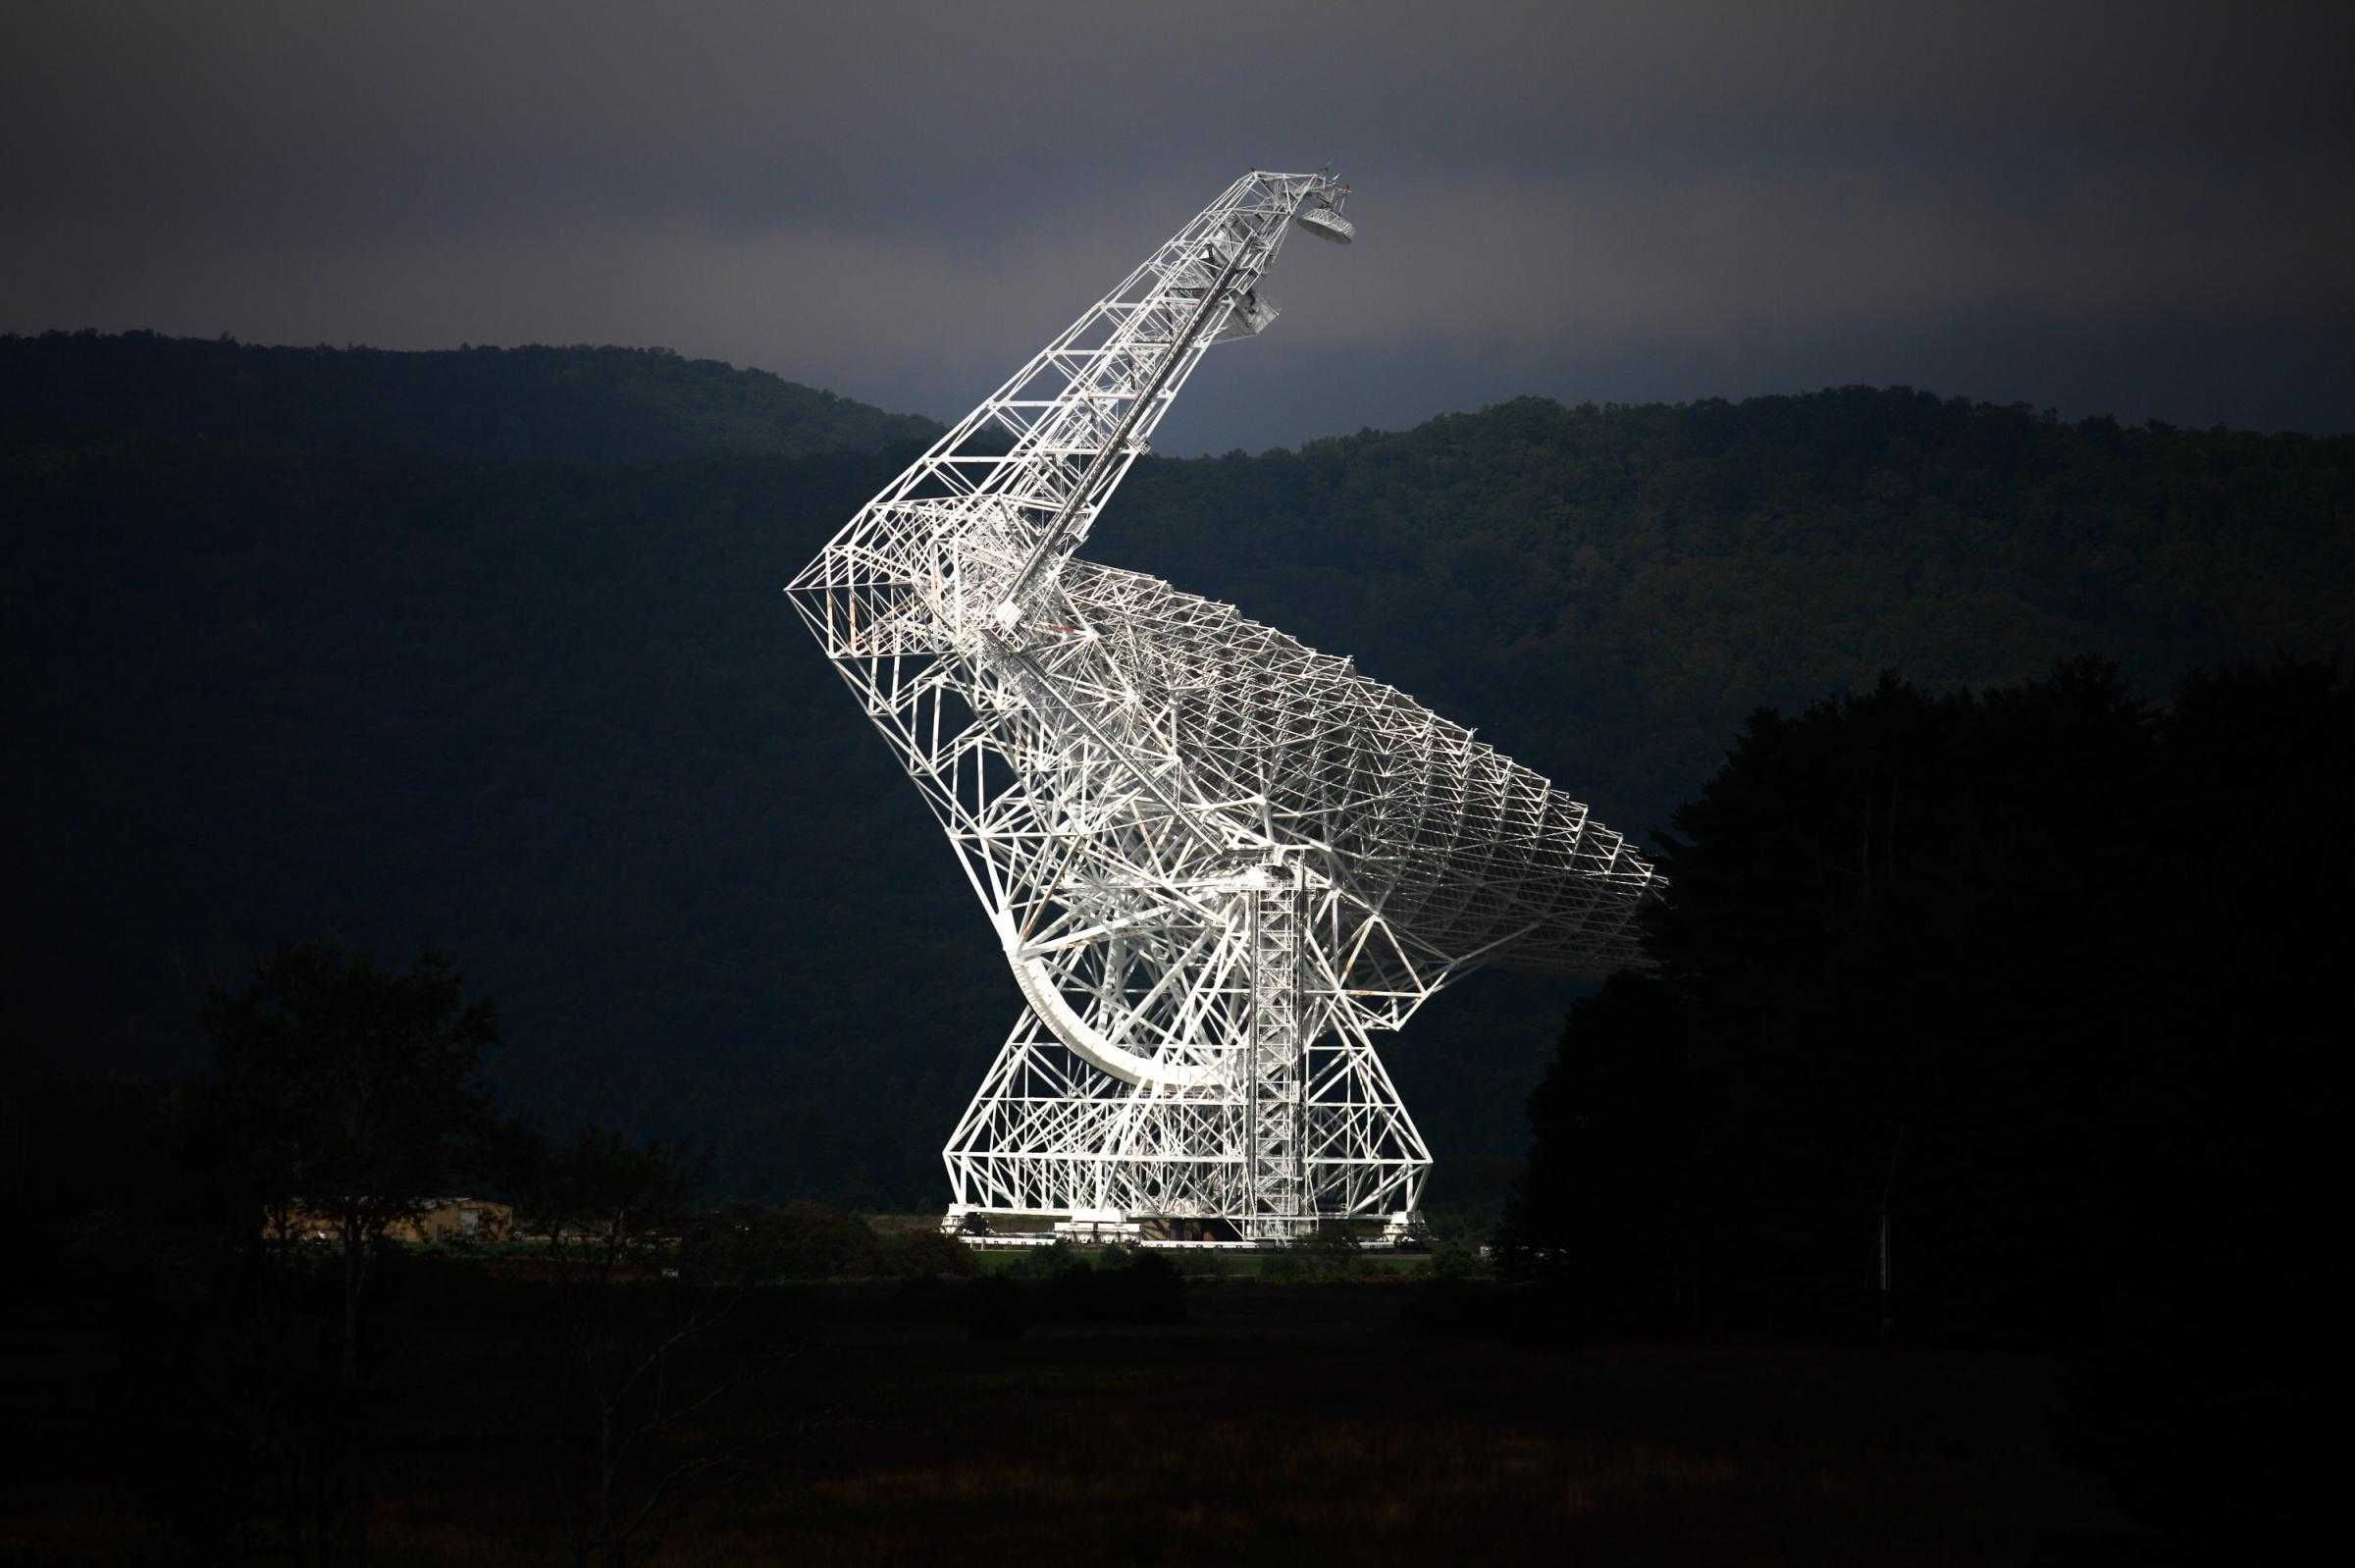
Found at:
[2139, 209]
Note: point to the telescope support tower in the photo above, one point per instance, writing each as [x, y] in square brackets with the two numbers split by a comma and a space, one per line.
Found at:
[1299, 1123]
[1217, 861]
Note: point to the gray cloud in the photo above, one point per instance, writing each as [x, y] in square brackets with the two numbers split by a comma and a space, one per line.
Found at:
[901, 201]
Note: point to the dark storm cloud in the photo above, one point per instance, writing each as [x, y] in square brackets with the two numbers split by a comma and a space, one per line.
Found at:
[2138, 208]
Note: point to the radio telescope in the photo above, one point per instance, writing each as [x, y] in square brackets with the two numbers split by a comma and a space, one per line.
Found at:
[1218, 861]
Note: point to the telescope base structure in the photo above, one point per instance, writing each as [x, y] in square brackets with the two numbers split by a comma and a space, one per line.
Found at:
[1053, 1148]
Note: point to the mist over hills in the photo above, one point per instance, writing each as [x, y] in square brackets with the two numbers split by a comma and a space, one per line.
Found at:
[484, 649]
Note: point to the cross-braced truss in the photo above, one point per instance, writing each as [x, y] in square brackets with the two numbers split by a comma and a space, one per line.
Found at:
[1217, 859]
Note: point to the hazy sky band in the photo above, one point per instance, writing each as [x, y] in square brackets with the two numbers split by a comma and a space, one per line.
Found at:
[2135, 209]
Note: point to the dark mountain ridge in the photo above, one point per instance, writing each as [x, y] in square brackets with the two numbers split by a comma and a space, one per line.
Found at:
[378, 677]
[603, 404]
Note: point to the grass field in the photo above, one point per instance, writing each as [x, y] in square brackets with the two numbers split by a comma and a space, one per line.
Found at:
[1280, 1422]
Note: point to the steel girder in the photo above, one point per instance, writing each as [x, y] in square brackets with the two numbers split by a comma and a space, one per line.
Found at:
[1217, 861]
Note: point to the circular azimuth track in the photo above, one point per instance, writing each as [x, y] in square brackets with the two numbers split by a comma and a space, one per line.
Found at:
[1217, 859]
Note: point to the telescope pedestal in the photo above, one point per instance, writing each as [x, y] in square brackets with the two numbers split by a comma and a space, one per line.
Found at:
[1302, 1128]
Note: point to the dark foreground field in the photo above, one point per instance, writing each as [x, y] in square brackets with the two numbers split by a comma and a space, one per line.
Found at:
[1279, 1422]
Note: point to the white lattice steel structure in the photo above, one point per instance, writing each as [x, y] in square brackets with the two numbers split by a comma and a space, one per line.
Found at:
[1218, 861]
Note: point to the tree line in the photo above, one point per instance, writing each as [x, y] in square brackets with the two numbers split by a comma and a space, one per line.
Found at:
[2002, 1017]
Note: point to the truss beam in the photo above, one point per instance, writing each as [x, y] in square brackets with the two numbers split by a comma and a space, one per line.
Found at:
[1218, 861]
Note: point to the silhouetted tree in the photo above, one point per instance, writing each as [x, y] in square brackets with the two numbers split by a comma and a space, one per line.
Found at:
[1613, 1211]
[1898, 918]
[342, 1099]
[2060, 975]
[2219, 1134]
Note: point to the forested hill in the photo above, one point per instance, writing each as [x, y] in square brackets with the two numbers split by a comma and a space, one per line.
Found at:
[1608, 592]
[612, 404]
[542, 705]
